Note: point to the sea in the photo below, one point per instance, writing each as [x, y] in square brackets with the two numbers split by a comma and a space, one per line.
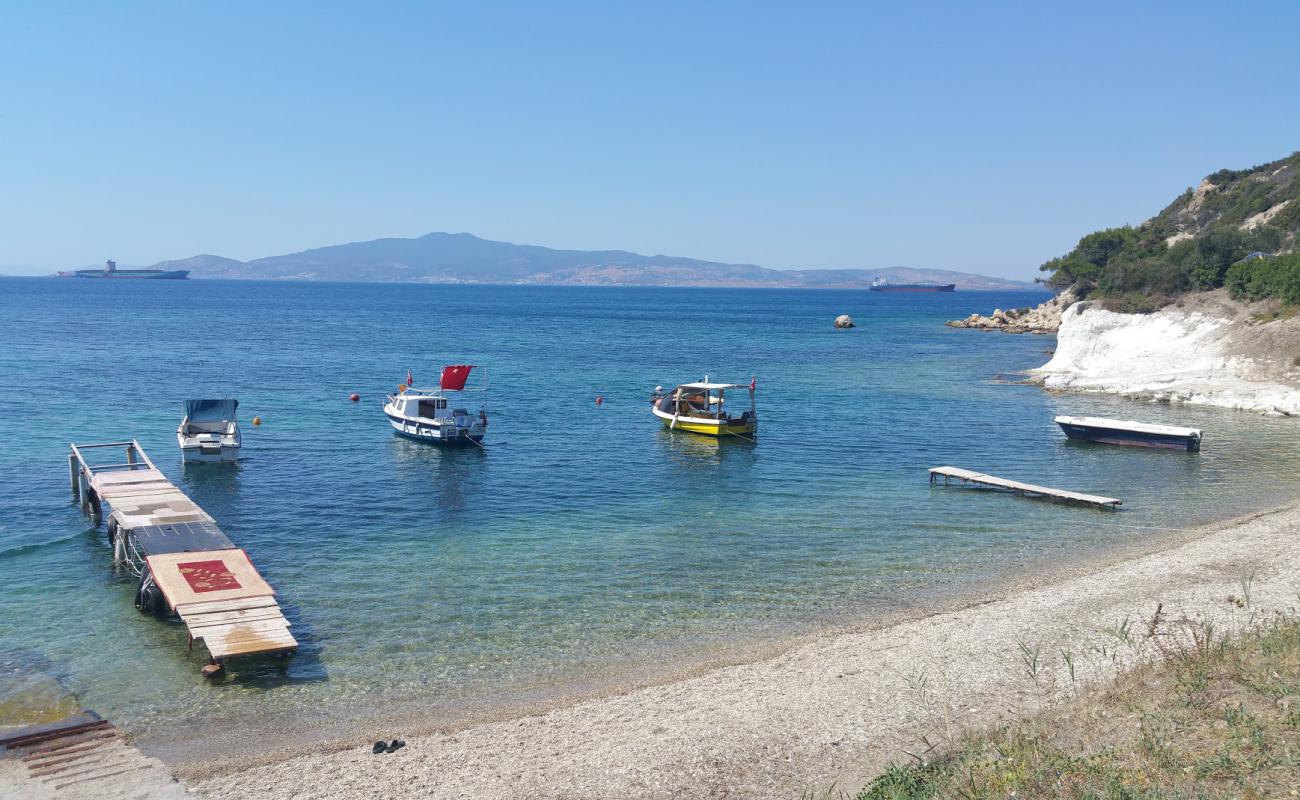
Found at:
[584, 546]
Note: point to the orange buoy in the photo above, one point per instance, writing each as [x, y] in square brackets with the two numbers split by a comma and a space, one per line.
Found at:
[257, 420]
[354, 397]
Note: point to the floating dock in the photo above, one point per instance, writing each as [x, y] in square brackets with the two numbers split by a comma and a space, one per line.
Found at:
[186, 565]
[1025, 489]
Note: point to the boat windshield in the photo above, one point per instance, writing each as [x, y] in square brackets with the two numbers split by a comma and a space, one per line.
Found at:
[431, 406]
[215, 410]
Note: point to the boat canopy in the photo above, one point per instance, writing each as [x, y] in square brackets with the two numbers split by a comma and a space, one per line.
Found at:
[211, 410]
[705, 387]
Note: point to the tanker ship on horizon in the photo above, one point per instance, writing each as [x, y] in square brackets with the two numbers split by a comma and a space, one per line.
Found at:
[882, 285]
[110, 270]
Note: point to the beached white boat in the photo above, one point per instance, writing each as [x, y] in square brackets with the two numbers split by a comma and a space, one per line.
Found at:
[1128, 432]
[209, 431]
[430, 415]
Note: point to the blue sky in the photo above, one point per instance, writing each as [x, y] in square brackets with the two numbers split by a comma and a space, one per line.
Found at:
[968, 136]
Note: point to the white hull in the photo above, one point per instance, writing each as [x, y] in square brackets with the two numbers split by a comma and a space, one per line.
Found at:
[436, 431]
[216, 455]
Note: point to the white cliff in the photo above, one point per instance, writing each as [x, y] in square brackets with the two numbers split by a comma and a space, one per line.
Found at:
[1209, 351]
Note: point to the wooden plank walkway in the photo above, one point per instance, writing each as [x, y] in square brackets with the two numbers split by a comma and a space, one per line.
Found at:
[240, 617]
[1023, 489]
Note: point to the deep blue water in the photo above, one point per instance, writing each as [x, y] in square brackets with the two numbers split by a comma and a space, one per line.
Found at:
[586, 539]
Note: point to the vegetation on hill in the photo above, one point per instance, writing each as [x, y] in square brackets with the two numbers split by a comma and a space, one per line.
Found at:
[1200, 242]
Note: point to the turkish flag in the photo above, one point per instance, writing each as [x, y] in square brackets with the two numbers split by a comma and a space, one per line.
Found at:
[409, 380]
[454, 376]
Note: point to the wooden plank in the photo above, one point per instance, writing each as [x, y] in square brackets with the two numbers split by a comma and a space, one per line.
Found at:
[108, 479]
[158, 509]
[241, 630]
[1023, 488]
[235, 604]
[81, 745]
[14, 741]
[237, 630]
[167, 494]
[254, 647]
[230, 617]
[263, 642]
[246, 632]
[142, 489]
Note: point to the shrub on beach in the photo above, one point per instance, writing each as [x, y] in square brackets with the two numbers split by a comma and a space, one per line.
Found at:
[1213, 718]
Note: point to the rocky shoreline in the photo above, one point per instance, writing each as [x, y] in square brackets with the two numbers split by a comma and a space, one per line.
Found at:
[1043, 319]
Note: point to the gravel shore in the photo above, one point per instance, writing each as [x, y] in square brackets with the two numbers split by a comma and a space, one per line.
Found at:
[832, 710]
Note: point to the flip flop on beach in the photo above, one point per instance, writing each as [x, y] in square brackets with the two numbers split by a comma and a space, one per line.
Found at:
[397, 743]
[380, 747]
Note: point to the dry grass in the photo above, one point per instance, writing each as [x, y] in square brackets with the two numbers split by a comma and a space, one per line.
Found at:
[1210, 716]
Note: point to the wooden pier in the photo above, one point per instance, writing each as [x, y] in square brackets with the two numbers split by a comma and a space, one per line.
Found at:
[967, 476]
[187, 566]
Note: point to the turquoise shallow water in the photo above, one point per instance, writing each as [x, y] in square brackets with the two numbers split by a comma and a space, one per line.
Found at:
[585, 540]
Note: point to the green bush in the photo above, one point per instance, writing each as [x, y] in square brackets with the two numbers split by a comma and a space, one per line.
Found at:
[1261, 278]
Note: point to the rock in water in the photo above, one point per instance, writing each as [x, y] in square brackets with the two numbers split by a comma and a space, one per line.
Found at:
[844, 321]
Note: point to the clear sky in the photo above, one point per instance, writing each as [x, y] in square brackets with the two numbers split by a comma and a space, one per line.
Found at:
[971, 136]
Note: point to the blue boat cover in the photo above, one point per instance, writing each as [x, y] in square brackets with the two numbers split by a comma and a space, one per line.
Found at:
[211, 410]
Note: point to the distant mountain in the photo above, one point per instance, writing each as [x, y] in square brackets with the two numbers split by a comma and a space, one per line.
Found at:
[205, 265]
[462, 258]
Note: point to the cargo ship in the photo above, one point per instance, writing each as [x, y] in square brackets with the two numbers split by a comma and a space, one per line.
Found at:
[881, 285]
[110, 270]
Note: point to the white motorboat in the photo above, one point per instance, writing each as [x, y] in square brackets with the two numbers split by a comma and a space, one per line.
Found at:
[209, 432]
[432, 415]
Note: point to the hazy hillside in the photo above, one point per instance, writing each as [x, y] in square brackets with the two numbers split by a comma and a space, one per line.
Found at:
[1199, 242]
[208, 266]
[463, 258]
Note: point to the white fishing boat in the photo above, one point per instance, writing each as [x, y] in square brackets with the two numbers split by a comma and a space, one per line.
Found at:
[434, 415]
[209, 431]
[1128, 432]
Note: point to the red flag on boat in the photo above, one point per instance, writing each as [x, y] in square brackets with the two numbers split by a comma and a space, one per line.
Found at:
[454, 376]
[753, 384]
[409, 380]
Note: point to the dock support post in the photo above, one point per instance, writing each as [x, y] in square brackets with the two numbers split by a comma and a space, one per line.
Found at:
[81, 490]
[72, 475]
[130, 455]
[119, 546]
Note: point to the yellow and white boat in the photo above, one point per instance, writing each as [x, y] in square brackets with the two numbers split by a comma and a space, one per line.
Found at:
[701, 408]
